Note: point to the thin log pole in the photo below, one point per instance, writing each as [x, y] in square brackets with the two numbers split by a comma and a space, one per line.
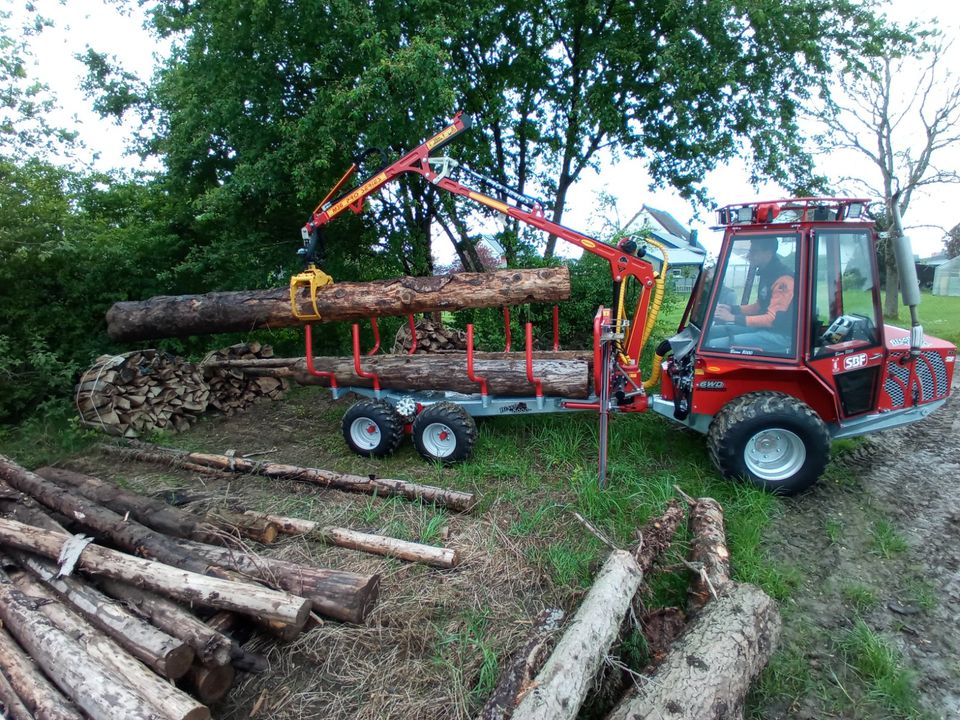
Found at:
[254, 600]
[28, 687]
[708, 554]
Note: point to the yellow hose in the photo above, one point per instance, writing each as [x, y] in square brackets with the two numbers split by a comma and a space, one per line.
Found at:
[655, 306]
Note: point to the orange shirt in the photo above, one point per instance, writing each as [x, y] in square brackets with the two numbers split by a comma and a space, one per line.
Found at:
[781, 295]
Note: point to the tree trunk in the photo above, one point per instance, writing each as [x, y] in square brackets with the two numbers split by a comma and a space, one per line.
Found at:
[210, 684]
[165, 655]
[562, 378]
[559, 690]
[451, 499]
[21, 680]
[99, 692]
[211, 647]
[708, 551]
[164, 697]
[242, 311]
[254, 600]
[516, 678]
[708, 672]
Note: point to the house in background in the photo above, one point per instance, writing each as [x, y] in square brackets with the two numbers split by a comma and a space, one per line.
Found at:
[685, 253]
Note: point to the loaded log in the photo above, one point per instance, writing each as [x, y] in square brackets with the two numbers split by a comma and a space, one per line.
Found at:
[24, 691]
[242, 311]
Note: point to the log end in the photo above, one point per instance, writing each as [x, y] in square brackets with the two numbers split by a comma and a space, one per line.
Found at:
[176, 662]
[210, 684]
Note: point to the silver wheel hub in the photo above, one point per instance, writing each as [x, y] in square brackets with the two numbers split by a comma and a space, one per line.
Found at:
[365, 433]
[774, 454]
[439, 440]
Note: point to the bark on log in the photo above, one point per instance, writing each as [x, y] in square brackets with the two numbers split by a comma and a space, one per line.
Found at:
[24, 683]
[708, 551]
[211, 647]
[165, 655]
[341, 595]
[254, 600]
[656, 536]
[523, 667]
[559, 689]
[98, 691]
[165, 698]
[242, 311]
[259, 529]
[709, 671]
[452, 499]
[561, 378]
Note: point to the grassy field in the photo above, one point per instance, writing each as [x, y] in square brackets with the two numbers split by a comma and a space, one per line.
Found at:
[533, 474]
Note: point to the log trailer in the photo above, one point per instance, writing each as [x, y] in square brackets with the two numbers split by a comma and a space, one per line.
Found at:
[780, 350]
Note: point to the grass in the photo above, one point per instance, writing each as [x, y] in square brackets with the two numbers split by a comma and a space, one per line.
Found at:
[859, 597]
[940, 316]
[886, 541]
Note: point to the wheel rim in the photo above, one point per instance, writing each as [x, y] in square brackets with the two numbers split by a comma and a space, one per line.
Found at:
[774, 454]
[365, 433]
[439, 440]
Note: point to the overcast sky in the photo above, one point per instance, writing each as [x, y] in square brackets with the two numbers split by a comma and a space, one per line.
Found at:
[99, 24]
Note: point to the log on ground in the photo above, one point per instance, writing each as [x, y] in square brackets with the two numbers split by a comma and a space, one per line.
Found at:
[24, 682]
[709, 670]
[242, 311]
[708, 553]
[560, 688]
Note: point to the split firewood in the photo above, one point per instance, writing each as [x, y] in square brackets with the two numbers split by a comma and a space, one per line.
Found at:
[232, 391]
[517, 677]
[431, 337]
[141, 391]
[708, 672]
[364, 542]
[97, 690]
[709, 557]
[342, 595]
[452, 499]
[24, 691]
[254, 600]
[166, 700]
[560, 688]
[242, 311]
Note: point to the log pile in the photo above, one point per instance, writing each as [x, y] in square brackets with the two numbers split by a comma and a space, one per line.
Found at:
[139, 392]
[231, 390]
[102, 629]
[705, 669]
[431, 337]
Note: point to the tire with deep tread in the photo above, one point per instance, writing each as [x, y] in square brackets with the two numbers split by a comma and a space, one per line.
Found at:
[462, 431]
[381, 416]
[753, 414]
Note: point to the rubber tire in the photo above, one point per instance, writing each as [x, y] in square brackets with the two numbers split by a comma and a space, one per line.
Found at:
[462, 425]
[747, 415]
[381, 414]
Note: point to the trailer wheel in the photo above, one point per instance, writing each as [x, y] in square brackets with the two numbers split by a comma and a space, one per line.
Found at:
[772, 440]
[444, 432]
[372, 428]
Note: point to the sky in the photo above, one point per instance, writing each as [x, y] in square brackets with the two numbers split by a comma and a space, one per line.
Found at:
[100, 24]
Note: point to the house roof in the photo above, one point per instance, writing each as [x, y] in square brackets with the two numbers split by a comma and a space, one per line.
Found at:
[674, 232]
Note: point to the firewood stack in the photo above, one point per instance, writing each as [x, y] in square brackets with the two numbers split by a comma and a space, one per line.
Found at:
[141, 391]
[431, 337]
[231, 390]
[103, 630]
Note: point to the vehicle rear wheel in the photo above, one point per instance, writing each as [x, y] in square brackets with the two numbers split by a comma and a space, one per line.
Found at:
[372, 428]
[772, 440]
[444, 432]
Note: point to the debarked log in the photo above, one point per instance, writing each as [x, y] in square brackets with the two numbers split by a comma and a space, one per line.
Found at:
[709, 670]
[245, 310]
[24, 691]
[508, 377]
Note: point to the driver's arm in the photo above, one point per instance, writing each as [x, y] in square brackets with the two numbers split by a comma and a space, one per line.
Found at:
[781, 295]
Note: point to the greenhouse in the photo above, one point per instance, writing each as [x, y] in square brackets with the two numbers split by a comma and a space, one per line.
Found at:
[946, 279]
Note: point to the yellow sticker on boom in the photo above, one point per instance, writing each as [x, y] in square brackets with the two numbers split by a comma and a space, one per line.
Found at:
[365, 189]
[489, 202]
[588, 243]
[441, 136]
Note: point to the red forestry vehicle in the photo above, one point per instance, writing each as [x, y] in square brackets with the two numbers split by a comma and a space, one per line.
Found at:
[781, 349]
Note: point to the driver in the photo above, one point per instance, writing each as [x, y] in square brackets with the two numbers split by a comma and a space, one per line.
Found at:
[768, 321]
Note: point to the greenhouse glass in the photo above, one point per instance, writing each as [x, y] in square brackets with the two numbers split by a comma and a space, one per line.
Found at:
[946, 279]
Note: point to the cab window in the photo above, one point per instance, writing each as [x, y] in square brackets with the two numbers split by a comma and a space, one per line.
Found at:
[754, 310]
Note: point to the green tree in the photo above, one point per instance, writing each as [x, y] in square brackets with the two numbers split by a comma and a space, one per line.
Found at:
[951, 242]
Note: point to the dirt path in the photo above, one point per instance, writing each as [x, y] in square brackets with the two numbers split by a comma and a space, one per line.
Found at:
[847, 539]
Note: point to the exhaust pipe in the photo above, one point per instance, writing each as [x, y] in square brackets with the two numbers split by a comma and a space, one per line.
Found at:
[907, 273]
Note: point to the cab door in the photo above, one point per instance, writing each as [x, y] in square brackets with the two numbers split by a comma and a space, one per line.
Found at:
[845, 343]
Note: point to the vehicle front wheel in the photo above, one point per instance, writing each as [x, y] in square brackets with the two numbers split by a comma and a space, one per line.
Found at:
[444, 432]
[772, 440]
[372, 428]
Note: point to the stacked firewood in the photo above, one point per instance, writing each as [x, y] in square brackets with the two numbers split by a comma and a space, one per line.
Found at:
[431, 337]
[702, 658]
[109, 625]
[231, 390]
[141, 391]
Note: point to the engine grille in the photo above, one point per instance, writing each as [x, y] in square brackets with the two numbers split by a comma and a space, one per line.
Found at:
[931, 381]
